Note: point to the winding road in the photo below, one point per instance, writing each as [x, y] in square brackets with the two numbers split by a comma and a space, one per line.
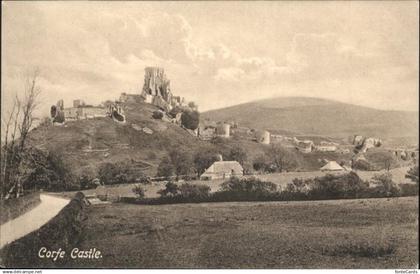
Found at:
[31, 220]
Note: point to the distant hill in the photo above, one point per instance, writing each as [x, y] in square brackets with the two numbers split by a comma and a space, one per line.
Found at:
[319, 117]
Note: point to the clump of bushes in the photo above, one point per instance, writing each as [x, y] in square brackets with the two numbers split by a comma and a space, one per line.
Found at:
[330, 186]
[193, 192]
[413, 174]
[276, 159]
[171, 189]
[338, 186]
[139, 191]
[120, 173]
[157, 114]
[384, 186]
[240, 189]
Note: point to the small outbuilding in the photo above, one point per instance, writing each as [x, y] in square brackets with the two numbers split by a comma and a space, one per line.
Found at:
[222, 170]
[332, 166]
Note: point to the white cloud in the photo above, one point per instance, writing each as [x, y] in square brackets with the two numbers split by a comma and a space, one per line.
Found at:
[96, 51]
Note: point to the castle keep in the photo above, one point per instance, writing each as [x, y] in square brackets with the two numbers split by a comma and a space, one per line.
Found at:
[157, 89]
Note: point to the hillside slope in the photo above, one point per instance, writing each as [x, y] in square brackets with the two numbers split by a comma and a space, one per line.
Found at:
[319, 117]
[86, 144]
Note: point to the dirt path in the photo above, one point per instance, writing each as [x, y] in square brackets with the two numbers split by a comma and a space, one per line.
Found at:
[31, 220]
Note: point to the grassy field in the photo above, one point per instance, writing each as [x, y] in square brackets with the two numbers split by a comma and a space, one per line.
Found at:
[281, 179]
[372, 233]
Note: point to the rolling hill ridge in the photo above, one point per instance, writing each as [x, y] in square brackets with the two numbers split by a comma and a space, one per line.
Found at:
[319, 117]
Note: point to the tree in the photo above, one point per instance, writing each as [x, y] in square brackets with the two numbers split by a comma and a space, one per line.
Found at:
[385, 182]
[203, 159]
[238, 154]
[281, 158]
[165, 168]
[181, 161]
[192, 105]
[413, 174]
[260, 163]
[190, 119]
[157, 114]
[48, 171]
[16, 127]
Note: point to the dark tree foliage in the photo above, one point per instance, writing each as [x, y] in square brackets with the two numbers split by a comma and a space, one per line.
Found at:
[139, 191]
[118, 173]
[157, 115]
[181, 161]
[50, 172]
[165, 168]
[248, 185]
[171, 189]
[190, 119]
[238, 154]
[413, 174]
[204, 158]
[191, 191]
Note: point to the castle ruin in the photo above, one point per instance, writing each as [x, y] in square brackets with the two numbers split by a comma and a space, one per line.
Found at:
[157, 89]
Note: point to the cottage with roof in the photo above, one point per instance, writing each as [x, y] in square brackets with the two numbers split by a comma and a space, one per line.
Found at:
[222, 170]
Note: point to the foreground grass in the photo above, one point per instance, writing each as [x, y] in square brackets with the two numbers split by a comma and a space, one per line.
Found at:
[371, 233]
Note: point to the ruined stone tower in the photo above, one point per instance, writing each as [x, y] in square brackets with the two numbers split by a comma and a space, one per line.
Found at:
[156, 83]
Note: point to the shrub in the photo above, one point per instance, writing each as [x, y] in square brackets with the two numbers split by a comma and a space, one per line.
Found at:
[384, 185]
[203, 159]
[171, 189]
[181, 162]
[261, 163]
[362, 165]
[338, 186]
[117, 173]
[139, 191]
[236, 189]
[157, 114]
[50, 172]
[165, 168]
[194, 192]
[413, 174]
[238, 154]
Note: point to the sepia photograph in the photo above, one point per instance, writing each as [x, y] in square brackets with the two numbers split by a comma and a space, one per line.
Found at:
[209, 135]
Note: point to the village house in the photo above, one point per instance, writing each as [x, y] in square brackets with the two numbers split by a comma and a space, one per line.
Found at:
[326, 147]
[305, 146]
[222, 170]
[332, 166]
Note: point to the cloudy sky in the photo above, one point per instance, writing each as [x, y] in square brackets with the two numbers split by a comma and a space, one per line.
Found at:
[216, 53]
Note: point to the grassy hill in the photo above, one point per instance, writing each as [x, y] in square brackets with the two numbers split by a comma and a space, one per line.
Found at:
[316, 116]
[87, 144]
[113, 142]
